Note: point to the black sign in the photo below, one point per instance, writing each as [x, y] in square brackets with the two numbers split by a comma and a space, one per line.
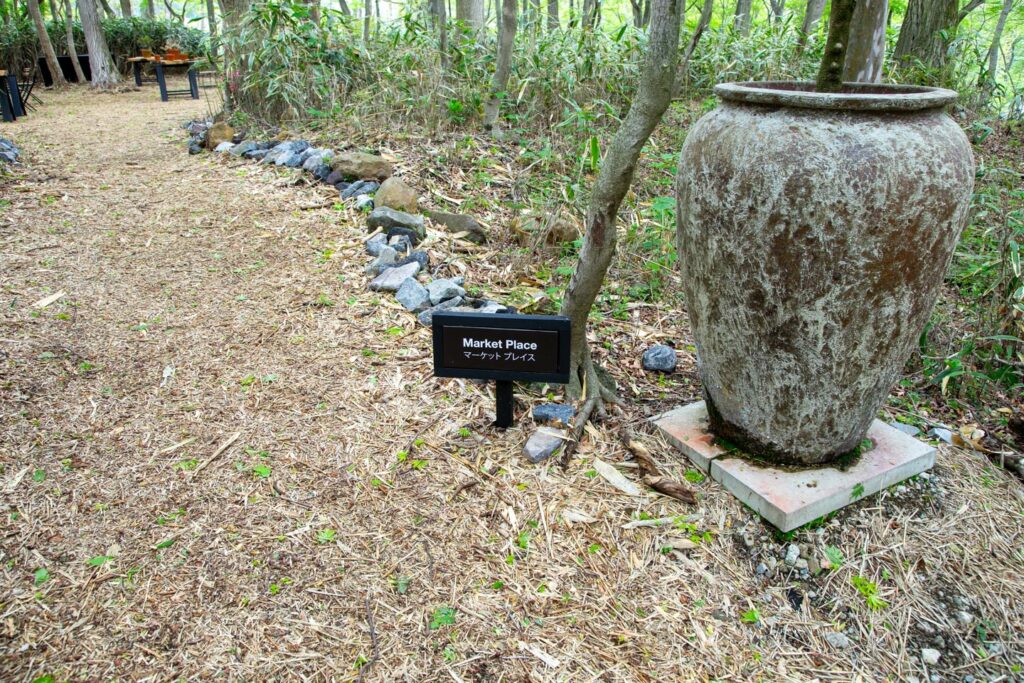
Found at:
[533, 348]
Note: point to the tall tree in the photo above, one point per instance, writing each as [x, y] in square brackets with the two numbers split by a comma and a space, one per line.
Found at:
[149, 9]
[927, 30]
[104, 75]
[126, 9]
[211, 20]
[69, 36]
[45, 45]
[108, 11]
[778, 8]
[553, 22]
[345, 9]
[506, 39]
[613, 180]
[812, 17]
[993, 51]
[866, 53]
[471, 13]
[741, 19]
[702, 25]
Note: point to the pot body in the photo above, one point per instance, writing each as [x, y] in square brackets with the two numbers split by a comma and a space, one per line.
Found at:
[813, 234]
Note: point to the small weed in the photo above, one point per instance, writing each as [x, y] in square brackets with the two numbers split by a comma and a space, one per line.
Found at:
[751, 616]
[443, 616]
[694, 476]
[835, 556]
[41, 576]
[858, 491]
[325, 536]
[869, 590]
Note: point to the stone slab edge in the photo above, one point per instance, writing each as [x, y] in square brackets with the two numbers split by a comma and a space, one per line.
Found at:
[791, 498]
[686, 428]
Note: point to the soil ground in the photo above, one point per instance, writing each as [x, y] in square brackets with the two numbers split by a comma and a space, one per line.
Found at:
[224, 459]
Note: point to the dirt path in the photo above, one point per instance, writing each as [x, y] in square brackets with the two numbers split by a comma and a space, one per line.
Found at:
[204, 299]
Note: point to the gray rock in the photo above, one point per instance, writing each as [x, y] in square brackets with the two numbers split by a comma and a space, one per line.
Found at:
[405, 233]
[457, 222]
[802, 565]
[257, 154]
[364, 202]
[761, 569]
[660, 358]
[905, 428]
[385, 259]
[243, 147]
[300, 146]
[400, 243]
[349, 190]
[427, 316]
[321, 172]
[334, 177]
[276, 152]
[413, 296]
[544, 443]
[792, 554]
[555, 414]
[941, 434]
[386, 219]
[194, 148]
[375, 245]
[295, 160]
[837, 640]
[420, 257]
[442, 290]
[313, 160]
[224, 147]
[964, 617]
[393, 278]
[930, 656]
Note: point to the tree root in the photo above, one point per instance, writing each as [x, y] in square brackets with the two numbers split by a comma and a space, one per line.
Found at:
[588, 385]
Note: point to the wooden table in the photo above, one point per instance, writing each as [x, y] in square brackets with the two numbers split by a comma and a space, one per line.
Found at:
[10, 98]
[159, 64]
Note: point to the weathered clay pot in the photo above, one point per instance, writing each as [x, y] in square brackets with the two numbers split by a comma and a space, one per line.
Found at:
[814, 231]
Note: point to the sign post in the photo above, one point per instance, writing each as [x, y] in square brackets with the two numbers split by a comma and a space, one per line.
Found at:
[502, 347]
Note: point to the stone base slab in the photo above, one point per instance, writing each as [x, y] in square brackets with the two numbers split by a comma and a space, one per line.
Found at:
[789, 498]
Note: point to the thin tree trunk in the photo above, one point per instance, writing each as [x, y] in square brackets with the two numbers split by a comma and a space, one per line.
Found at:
[211, 20]
[702, 25]
[471, 13]
[993, 51]
[126, 9]
[501, 73]
[45, 45]
[928, 28]
[833, 59]
[344, 8]
[149, 9]
[812, 17]
[442, 22]
[866, 53]
[367, 14]
[108, 12]
[69, 35]
[741, 21]
[553, 22]
[778, 8]
[649, 104]
[104, 75]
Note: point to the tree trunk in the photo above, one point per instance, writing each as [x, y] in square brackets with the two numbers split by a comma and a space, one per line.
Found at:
[211, 20]
[866, 53]
[691, 47]
[108, 12]
[344, 8]
[45, 45]
[508, 36]
[741, 21]
[442, 22]
[921, 36]
[649, 104]
[471, 13]
[69, 35]
[993, 51]
[812, 16]
[104, 75]
[367, 15]
[778, 8]
[591, 14]
[553, 23]
[833, 59]
[149, 9]
[126, 9]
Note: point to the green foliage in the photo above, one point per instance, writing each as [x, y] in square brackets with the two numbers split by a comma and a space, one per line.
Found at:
[869, 591]
[443, 616]
[125, 38]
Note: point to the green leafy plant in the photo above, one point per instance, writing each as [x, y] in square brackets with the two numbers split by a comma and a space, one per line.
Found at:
[442, 616]
[869, 591]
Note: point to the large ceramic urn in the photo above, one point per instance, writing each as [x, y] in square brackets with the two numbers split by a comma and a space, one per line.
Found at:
[813, 231]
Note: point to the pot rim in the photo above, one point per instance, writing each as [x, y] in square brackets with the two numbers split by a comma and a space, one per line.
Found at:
[855, 96]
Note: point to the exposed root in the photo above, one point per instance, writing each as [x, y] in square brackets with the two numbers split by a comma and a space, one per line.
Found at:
[596, 394]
